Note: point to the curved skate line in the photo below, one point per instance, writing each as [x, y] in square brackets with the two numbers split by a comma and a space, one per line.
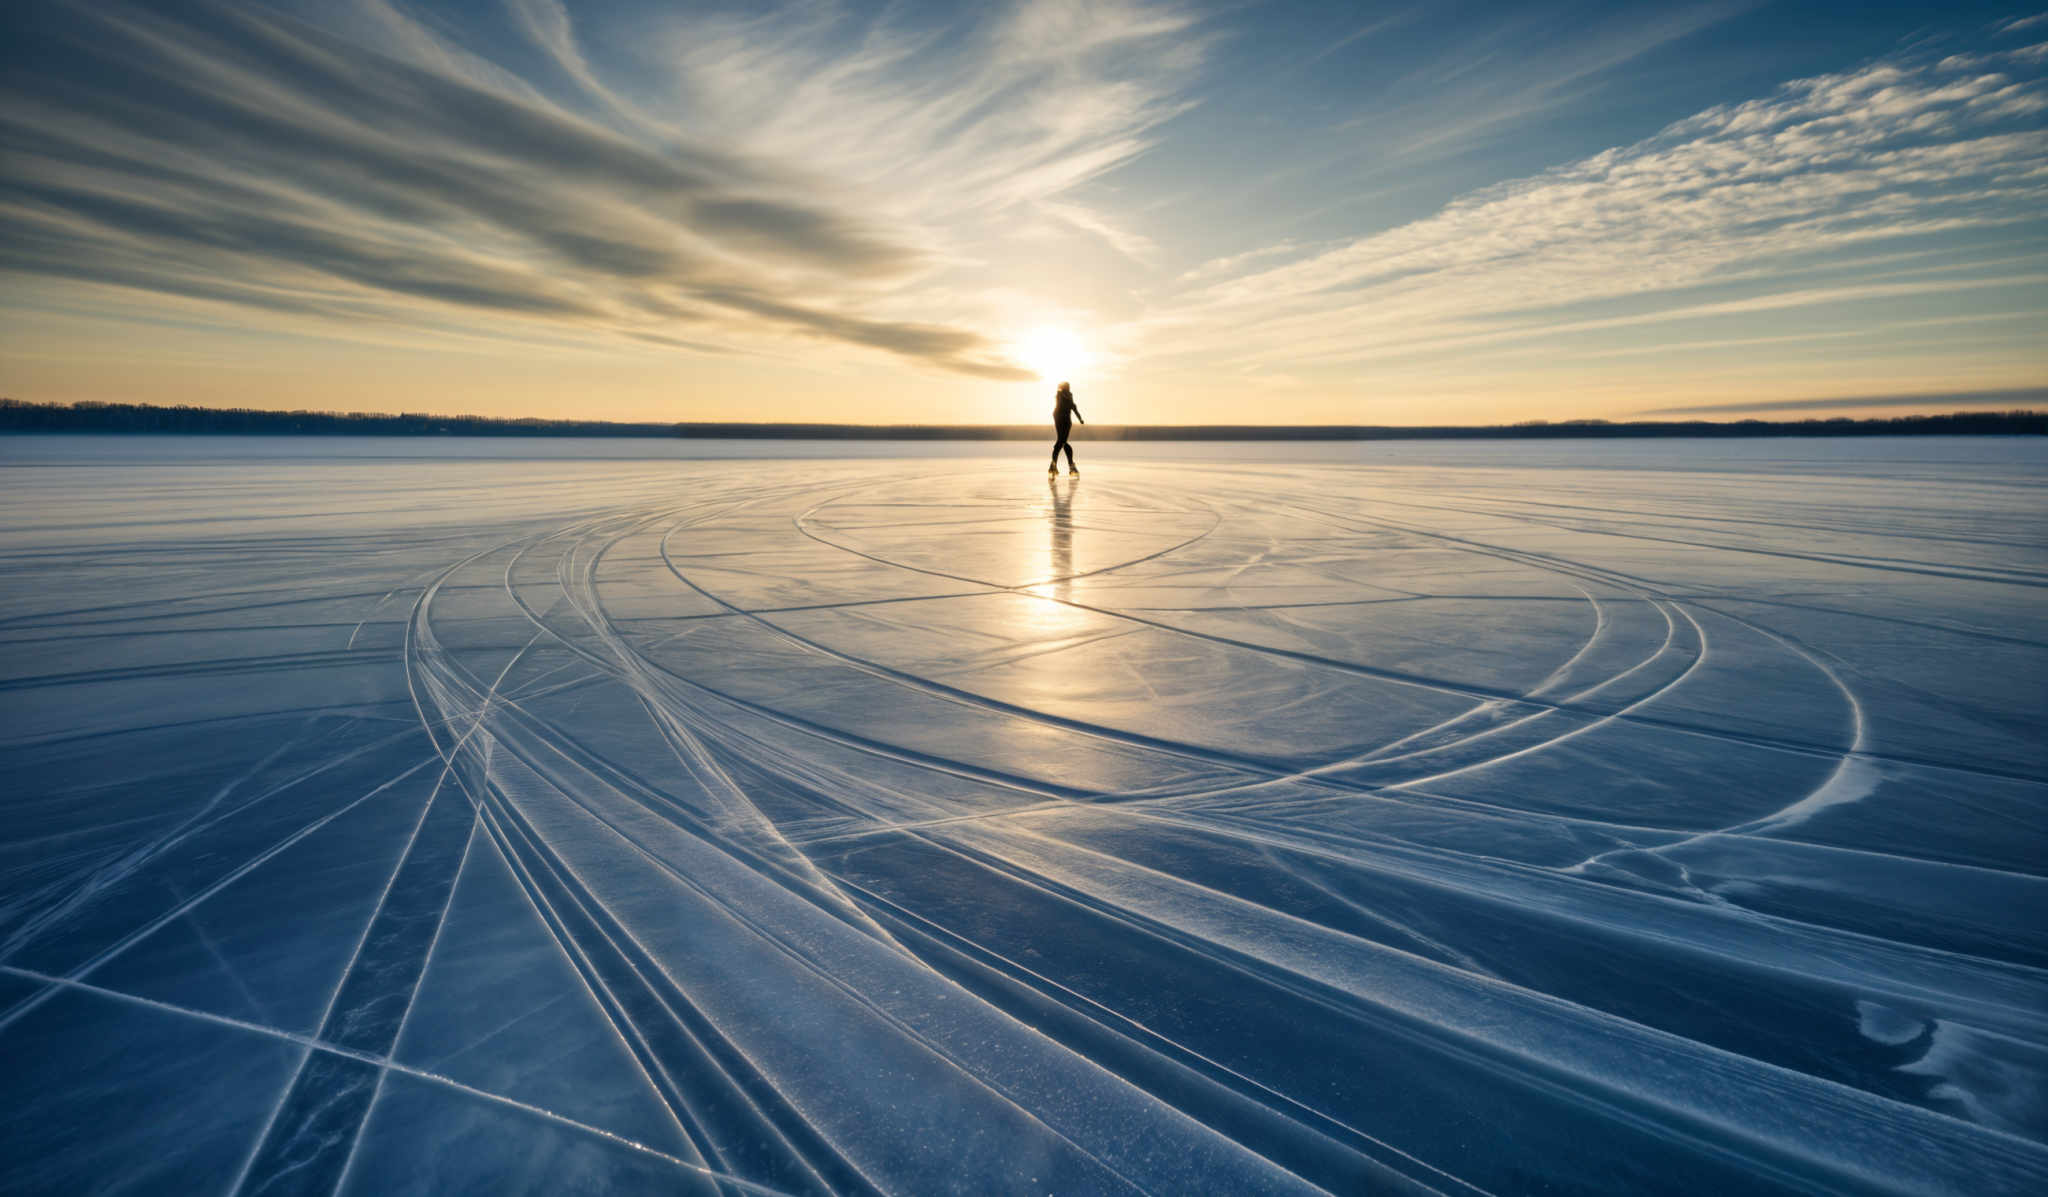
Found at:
[1485, 696]
[590, 576]
[774, 939]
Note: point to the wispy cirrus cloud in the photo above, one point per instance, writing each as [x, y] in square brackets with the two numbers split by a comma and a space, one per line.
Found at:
[378, 168]
[1836, 162]
[1740, 208]
[962, 133]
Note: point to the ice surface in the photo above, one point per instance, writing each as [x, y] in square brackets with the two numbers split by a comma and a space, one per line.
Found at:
[551, 817]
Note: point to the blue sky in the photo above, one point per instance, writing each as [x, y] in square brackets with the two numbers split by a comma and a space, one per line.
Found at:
[1454, 213]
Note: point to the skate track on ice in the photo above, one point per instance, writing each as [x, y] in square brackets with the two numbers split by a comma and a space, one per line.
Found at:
[922, 825]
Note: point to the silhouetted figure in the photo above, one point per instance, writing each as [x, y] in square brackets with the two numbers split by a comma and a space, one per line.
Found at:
[1064, 413]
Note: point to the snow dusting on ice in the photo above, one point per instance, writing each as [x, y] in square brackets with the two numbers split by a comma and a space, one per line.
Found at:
[1518, 817]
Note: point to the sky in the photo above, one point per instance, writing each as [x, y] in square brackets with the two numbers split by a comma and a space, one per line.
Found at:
[1435, 213]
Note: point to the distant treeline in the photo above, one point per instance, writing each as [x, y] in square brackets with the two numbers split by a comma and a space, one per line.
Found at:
[17, 416]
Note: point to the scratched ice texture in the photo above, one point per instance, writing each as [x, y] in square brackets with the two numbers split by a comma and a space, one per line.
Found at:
[402, 817]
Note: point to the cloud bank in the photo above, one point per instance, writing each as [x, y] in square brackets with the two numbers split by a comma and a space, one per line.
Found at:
[376, 170]
[1829, 192]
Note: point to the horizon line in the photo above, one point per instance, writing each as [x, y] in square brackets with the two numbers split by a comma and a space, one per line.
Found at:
[18, 415]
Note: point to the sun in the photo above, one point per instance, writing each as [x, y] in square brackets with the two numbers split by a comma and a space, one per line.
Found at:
[1054, 354]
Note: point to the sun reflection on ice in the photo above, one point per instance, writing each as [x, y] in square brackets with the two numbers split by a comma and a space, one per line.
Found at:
[1045, 620]
[1059, 553]
[1055, 618]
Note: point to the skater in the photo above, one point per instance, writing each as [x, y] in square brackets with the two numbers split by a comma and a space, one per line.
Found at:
[1064, 413]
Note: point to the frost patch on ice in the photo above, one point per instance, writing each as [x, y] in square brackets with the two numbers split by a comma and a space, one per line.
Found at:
[1856, 779]
[1888, 1026]
[1996, 1079]
[1640, 868]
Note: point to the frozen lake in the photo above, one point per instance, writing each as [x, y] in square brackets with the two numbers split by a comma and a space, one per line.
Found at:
[426, 816]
